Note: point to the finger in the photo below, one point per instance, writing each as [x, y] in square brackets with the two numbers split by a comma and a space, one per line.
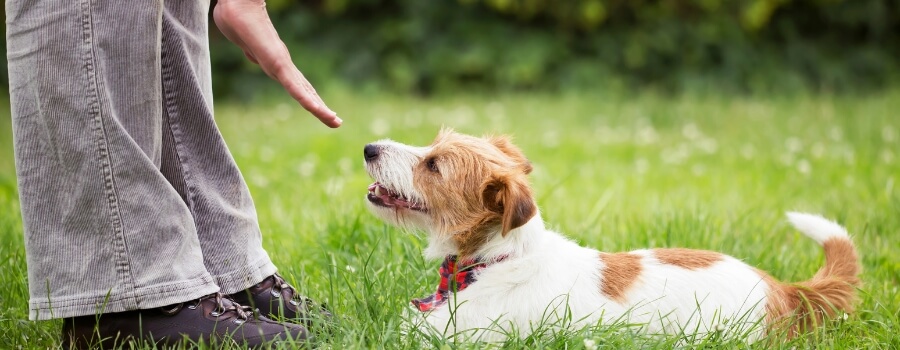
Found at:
[276, 62]
[282, 69]
[301, 90]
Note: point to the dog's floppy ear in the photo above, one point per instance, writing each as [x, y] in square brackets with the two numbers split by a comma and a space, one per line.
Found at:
[509, 196]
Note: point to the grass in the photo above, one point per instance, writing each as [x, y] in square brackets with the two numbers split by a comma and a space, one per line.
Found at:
[611, 171]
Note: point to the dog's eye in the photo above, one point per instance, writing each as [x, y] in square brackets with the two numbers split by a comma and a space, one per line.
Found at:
[431, 163]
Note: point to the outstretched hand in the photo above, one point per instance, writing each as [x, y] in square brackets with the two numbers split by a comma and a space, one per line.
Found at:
[247, 24]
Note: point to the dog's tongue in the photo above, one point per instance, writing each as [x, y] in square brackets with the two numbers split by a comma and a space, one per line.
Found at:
[386, 197]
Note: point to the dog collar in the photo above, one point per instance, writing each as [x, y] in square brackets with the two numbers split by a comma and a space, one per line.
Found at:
[455, 276]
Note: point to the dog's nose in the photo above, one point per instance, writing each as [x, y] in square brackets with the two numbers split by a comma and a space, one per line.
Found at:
[371, 152]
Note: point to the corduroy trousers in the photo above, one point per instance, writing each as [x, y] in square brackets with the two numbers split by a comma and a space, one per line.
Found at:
[130, 198]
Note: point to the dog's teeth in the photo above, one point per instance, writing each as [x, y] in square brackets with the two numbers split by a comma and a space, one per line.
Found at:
[377, 190]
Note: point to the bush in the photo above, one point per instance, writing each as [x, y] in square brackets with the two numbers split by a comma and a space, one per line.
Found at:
[739, 45]
[428, 46]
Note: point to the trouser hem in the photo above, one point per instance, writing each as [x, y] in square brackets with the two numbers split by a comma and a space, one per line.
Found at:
[246, 277]
[141, 298]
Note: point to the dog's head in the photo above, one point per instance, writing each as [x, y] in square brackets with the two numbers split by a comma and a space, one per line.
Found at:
[461, 188]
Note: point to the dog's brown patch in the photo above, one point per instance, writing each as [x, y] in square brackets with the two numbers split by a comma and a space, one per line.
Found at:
[468, 242]
[800, 307]
[620, 272]
[691, 259]
[475, 187]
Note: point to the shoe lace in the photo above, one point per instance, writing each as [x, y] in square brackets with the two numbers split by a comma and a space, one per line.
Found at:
[280, 286]
[242, 312]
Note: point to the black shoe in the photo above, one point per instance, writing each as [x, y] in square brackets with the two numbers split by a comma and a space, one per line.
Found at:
[210, 319]
[277, 299]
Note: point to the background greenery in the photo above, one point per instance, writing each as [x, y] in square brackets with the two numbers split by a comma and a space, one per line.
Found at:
[612, 171]
[759, 46]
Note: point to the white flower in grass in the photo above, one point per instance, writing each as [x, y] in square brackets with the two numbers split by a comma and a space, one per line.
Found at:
[496, 121]
[804, 167]
[698, 169]
[849, 156]
[720, 327]
[306, 168]
[334, 186]
[350, 268]
[380, 126]
[646, 136]
[551, 138]
[612, 135]
[641, 165]
[259, 180]
[787, 159]
[462, 115]
[346, 165]
[817, 150]
[266, 154]
[747, 151]
[590, 344]
[888, 135]
[413, 118]
[793, 145]
[604, 134]
[283, 111]
[676, 155]
[887, 156]
[836, 133]
[708, 145]
[849, 181]
[495, 109]
[691, 131]
[434, 114]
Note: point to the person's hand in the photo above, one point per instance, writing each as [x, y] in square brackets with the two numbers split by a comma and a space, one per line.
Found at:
[246, 23]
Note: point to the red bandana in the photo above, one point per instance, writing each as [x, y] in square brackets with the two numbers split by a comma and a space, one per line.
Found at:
[462, 274]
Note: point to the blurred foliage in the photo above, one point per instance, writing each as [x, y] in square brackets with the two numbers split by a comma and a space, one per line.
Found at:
[737, 45]
[671, 45]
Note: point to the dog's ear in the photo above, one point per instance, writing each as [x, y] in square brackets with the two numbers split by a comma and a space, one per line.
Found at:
[504, 144]
[509, 196]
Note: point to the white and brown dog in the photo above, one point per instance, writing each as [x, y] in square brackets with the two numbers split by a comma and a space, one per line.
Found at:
[502, 268]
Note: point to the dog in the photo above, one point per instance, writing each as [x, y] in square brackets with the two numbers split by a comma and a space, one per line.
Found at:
[504, 272]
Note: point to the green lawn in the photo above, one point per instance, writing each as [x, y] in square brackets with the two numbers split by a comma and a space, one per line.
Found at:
[616, 172]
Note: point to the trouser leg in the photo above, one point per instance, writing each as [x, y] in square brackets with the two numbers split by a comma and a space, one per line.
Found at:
[196, 159]
[105, 231]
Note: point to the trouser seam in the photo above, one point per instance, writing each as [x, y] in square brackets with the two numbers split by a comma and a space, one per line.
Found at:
[171, 120]
[104, 157]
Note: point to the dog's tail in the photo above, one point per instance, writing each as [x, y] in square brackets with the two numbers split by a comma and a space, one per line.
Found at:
[804, 305]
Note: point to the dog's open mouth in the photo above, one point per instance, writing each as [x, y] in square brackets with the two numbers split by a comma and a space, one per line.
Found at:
[382, 196]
